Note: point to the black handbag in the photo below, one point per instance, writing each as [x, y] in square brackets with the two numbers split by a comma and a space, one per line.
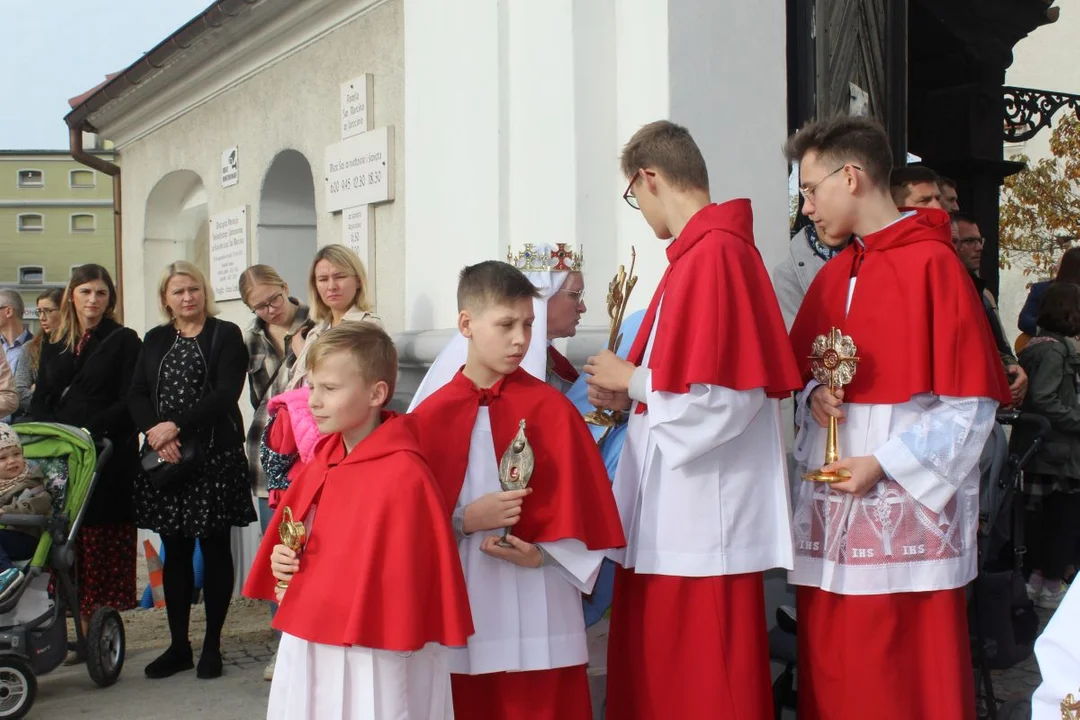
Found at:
[163, 474]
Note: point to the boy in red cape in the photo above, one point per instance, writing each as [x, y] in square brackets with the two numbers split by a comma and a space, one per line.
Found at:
[527, 659]
[702, 480]
[883, 556]
[376, 591]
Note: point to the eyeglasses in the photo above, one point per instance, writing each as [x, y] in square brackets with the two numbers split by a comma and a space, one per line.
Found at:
[275, 301]
[38, 312]
[578, 295]
[972, 241]
[809, 190]
[628, 196]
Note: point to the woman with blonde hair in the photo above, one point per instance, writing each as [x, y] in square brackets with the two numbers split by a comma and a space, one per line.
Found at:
[83, 380]
[185, 399]
[48, 309]
[338, 287]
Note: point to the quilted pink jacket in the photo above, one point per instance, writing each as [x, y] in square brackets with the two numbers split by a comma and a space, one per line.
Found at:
[304, 430]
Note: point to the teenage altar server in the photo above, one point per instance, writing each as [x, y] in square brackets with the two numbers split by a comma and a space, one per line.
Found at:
[527, 659]
[702, 482]
[883, 555]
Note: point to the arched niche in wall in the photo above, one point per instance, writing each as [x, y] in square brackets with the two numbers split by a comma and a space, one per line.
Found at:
[286, 234]
[177, 228]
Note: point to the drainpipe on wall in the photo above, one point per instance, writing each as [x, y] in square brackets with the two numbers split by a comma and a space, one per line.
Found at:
[75, 142]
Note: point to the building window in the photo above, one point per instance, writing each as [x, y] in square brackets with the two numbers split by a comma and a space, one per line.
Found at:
[31, 275]
[83, 223]
[31, 178]
[82, 178]
[31, 222]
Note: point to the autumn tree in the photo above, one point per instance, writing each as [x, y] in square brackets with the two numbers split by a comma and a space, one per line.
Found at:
[1040, 206]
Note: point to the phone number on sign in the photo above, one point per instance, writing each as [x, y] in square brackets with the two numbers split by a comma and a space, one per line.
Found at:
[356, 181]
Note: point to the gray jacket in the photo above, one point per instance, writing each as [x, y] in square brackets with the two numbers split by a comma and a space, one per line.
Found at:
[792, 277]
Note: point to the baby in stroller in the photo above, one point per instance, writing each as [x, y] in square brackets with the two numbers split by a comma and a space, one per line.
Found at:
[22, 492]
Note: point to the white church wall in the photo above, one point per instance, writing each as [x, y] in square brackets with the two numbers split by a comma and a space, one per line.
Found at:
[515, 115]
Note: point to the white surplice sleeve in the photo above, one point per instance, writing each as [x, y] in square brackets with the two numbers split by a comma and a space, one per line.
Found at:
[932, 457]
[575, 562]
[1059, 659]
[685, 426]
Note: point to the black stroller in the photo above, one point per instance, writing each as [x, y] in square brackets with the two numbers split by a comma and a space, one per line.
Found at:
[33, 620]
[1002, 619]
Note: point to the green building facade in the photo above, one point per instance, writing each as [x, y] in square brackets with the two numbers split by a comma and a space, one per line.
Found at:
[55, 214]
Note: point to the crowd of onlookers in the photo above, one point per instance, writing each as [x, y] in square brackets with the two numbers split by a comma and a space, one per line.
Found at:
[170, 399]
[174, 394]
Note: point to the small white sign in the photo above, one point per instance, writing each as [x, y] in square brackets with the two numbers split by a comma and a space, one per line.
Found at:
[356, 231]
[228, 252]
[230, 167]
[356, 97]
[360, 170]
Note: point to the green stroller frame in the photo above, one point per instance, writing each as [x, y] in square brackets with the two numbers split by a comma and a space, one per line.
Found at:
[33, 624]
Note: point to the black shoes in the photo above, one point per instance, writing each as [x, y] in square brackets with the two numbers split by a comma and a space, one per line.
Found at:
[170, 662]
[209, 665]
[175, 660]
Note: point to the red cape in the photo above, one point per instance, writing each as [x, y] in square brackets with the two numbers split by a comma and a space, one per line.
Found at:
[380, 568]
[561, 367]
[917, 323]
[571, 495]
[721, 323]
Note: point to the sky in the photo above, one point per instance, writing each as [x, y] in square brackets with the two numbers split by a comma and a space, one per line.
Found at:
[52, 50]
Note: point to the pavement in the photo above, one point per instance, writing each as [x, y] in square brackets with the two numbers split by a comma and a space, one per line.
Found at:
[1019, 682]
[241, 693]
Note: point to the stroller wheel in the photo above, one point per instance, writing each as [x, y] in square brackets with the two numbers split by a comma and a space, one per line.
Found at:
[1015, 710]
[105, 646]
[18, 688]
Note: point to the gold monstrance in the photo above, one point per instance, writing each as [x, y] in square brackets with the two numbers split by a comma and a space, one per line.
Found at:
[516, 468]
[1070, 707]
[833, 364]
[293, 534]
[618, 296]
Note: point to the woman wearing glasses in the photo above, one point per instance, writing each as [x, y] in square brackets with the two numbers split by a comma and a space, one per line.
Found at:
[273, 340]
[48, 313]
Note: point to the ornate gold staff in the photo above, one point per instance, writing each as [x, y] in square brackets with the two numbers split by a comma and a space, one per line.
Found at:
[292, 534]
[618, 296]
[833, 364]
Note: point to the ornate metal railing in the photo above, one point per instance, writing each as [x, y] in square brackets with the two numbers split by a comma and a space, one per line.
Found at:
[1027, 110]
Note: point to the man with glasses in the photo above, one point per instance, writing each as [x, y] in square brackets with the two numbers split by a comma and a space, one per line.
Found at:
[13, 332]
[701, 483]
[883, 554]
[969, 246]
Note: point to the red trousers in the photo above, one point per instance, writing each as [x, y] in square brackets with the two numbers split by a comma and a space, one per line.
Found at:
[688, 648]
[887, 657]
[559, 694]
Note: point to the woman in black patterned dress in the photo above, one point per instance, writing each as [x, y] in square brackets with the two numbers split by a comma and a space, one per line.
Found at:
[186, 389]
